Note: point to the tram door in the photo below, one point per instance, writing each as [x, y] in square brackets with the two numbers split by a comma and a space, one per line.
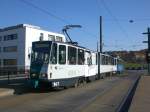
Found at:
[88, 62]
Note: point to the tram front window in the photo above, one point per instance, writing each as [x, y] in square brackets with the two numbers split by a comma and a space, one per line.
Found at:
[40, 57]
[41, 52]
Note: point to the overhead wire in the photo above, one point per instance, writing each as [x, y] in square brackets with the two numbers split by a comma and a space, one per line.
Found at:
[129, 20]
[44, 11]
[120, 46]
[52, 15]
[119, 25]
[114, 18]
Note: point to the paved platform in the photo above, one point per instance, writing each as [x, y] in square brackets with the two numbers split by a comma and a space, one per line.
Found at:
[102, 95]
[11, 87]
[141, 99]
[6, 92]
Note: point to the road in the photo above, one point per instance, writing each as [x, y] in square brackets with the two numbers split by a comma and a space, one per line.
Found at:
[102, 95]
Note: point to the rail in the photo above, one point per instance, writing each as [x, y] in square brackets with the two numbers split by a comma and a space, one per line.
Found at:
[14, 72]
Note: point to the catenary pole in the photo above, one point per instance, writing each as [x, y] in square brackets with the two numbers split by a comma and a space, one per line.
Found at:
[100, 48]
[148, 51]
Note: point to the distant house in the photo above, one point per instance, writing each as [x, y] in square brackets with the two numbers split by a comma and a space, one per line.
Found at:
[16, 42]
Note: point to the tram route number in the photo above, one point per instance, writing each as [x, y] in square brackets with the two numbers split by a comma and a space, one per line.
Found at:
[56, 84]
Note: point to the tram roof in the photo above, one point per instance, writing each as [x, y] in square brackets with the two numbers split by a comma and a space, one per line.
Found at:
[74, 45]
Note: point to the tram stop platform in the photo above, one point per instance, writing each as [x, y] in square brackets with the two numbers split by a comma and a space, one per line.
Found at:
[6, 92]
[141, 99]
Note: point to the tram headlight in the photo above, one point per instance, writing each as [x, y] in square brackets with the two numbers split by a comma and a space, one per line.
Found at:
[44, 75]
[33, 75]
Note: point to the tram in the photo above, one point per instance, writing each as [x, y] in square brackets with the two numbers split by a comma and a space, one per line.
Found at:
[120, 66]
[62, 64]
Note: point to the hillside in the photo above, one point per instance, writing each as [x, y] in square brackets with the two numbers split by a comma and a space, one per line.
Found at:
[132, 58]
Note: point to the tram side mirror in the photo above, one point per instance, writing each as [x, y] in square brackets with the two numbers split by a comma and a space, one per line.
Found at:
[29, 56]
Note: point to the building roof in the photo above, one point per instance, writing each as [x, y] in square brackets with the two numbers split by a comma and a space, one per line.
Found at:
[18, 26]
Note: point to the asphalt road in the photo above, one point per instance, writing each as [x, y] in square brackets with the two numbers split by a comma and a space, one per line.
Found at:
[95, 96]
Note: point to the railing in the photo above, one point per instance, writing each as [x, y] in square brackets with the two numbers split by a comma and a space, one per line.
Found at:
[14, 72]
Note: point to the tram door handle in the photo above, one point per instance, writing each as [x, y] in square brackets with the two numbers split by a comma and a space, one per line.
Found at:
[56, 68]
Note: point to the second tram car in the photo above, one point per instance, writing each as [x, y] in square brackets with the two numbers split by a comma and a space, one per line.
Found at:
[61, 64]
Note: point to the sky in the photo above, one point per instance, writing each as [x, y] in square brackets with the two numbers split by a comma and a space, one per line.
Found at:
[119, 33]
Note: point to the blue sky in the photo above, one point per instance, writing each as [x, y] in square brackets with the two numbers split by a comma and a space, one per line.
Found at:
[118, 32]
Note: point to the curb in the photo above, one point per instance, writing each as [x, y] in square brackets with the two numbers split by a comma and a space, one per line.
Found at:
[6, 92]
[125, 104]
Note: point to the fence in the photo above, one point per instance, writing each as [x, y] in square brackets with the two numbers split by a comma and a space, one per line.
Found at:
[14, 72]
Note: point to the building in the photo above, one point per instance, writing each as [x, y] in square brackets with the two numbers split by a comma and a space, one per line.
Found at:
[16, 42]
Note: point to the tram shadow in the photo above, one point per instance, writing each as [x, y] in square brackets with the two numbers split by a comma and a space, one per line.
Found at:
[21, 86]
[43, 89]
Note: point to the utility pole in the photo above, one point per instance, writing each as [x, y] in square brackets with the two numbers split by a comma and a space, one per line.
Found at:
[97, 46]
[100, 47]
[101, 44]
[148, 51]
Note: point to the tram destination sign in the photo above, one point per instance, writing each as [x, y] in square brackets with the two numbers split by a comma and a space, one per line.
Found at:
[41, 45]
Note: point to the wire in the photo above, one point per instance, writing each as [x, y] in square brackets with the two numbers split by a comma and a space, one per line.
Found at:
[119, 46]
[130, 20]
[114, 18]
[98, 5]
[44, 11]
[52, 15]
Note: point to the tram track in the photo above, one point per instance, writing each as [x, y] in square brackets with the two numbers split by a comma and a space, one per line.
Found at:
[68, 100]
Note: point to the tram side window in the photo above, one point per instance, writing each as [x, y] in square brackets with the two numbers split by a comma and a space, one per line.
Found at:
[106, 60]
[80, 57]
[72, 57]
[115, 61]
[62, 54]
[103, 59]
[54, 54]
[110, 60]
[93, 59]
[96, 59]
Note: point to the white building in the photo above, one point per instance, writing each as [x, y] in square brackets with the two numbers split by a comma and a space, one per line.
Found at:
[16, 42]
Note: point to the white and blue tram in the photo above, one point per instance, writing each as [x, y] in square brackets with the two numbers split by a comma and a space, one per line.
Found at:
[61, 64]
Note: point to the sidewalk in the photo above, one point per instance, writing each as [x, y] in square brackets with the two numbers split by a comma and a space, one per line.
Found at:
[141, 99]
[6, 92]
[11, 87]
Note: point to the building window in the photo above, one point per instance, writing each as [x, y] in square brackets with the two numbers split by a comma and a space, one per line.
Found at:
[58, 38]
[10, 37]
[72, 55]
[7, 62]
[51, 37]
[0, 38]
[62, 54]
[10, 49]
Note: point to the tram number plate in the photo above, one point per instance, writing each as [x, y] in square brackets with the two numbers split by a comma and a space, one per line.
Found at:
[55, 84]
